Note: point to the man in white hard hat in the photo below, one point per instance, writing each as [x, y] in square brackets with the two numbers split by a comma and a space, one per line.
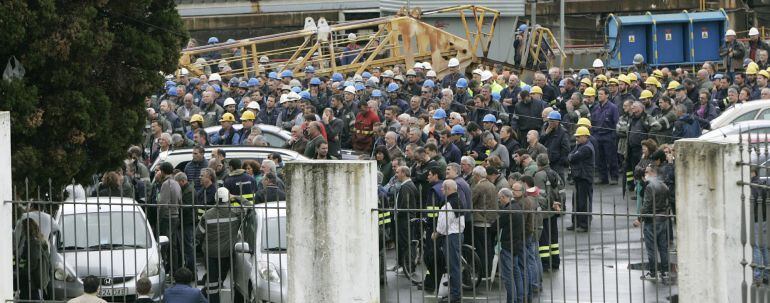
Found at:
[756, 44]
[450, 80]
[732, 53]
[598, 67]
[350, 51]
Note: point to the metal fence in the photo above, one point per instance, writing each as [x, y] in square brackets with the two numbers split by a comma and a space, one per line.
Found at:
[754, 158]
[238, 250]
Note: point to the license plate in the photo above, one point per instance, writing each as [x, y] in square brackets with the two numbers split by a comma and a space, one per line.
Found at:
[112, 292]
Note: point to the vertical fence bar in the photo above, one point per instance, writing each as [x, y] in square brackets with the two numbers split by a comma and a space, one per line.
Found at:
[6, 209]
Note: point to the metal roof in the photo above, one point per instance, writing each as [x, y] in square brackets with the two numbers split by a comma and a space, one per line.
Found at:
[189, 8]
[507, 8]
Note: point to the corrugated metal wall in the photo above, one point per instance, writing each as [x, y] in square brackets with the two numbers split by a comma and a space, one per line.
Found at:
[508, 8]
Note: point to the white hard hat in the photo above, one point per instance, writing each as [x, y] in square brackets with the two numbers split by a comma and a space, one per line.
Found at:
[215, 77]
[387, 74]
[264, 59]
[753, 31]
[431, 73]
[477, 72]
[730, 33]
[184, 72]
[300, 59]
[411, 72]
[418, 65]
[223, 195]
[229, 101]
[294, 83]
[253, 105]
[598, 63]
[352, 37]
[453, 62]
[485, 75]
[284, 98]
[222, 63]
[374, 79]
[350, 89]
[292, 96]
[358, 78]
[426, 65]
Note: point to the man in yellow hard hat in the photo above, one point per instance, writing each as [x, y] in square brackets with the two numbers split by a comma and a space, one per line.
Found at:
[671, 89]
[751, 74]
[653, 85]
[624, 90]
[247, 120]
[649, 107]
[227, 134]
[762, 82]
[581, 160]
[589, 98]
[196, 122]
[633, 86]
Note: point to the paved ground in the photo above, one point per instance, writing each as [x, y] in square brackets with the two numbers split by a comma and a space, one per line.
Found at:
[602, 265]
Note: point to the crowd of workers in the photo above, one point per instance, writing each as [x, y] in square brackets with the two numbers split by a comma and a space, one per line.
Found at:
[485, 158]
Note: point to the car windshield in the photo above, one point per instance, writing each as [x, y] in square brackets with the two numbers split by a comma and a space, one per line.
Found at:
[274, 234]
[103, 230]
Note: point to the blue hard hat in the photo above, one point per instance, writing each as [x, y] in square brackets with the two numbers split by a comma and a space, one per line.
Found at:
[310, 69]
[213, 40]
[392, 87]
[563, 82]
[554, 115]
[195, 81]
[366, 75]
[496, 96]
[348, 83]
[234, 81]
[304, 94]
[489, 118]
[287, 73]
[458, 130]
[522, 27]
[253, 82]
[273, 75]
[217, 88]
[205, 86]
[526, 87]
[296, 89]
[583, 72]
[170, 83]
[360, 86]
[462, 83]
[337, 77]
[172, 91]
[315, 81]
[376, 93]
[243, 84]
[429, 83]
[439, 114]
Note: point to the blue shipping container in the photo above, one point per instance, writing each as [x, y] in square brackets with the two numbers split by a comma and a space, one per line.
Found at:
[671, 42]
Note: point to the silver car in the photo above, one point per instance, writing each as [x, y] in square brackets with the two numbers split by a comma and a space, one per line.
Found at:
[110, 238]
[260, 273]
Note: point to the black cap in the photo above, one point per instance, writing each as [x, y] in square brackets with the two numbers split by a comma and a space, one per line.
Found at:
[492, 171]
[658, 155]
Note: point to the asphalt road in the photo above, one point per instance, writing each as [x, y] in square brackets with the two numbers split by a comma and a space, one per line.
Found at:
[602, 265]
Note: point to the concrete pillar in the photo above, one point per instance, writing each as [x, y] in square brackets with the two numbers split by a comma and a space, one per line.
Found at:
[709, 221]
[6, 208]
[332, 231]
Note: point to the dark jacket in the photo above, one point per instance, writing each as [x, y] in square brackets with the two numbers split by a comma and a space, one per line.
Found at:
[180, 293]
[193, 172]
[239, 183]
[511, 226]
[407, 196]
[557, 144]
[270, 193]
[581, 160]
[269, 117]
[686, 127]
[529, 115]
[655, 199]
[451, 153]
[188, 216]
[638, 129]
[604, 118]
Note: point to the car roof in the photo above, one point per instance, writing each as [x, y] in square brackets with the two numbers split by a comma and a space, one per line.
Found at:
[100, 204]
[740, 109]
[734, 128]
[264, 127]
[177, 156]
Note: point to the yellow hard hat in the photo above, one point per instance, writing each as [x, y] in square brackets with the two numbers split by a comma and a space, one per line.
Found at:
[196, 118]
[600, 78]
[586, 81]
[645, 94]
[752, 68]
[614, 81]
[624, 79]
[582, 131]
[673, 84]
[589, 92]
[768, 69]
[764, 73]
[227, 117]
[584, 122]
[652, 81]
[657, 73]
[632, 77]
[536, 90]
[247, 115]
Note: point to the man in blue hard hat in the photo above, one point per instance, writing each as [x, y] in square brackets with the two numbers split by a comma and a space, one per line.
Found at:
[393, 98]
[461, 96]
[456, 137]
[556, 139]
[439, 124]
[286, 76]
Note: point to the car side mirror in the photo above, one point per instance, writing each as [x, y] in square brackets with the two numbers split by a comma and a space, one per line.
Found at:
[163, 240]
[242, 247]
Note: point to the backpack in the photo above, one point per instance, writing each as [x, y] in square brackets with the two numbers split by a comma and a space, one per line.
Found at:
[555, 188]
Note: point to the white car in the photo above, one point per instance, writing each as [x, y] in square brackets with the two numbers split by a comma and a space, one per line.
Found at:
[753, 110]
[260, 272]
[110, 238]
[755, 131]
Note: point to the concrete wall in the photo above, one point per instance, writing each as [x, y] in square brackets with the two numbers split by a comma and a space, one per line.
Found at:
[332, 231]
[6, 238]
[709, 217]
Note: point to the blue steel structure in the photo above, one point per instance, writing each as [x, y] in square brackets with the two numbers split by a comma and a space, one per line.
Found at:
[665, 39]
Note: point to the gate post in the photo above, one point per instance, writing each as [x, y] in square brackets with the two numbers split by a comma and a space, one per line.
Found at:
[332, 231]
[6, 209]
[710, 215]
